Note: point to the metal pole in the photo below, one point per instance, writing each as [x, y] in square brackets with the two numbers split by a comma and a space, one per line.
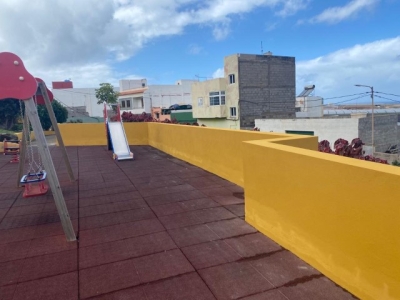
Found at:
[31, 111]
[372, 120]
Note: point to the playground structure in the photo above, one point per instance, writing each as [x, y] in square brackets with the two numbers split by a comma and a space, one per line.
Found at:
[116, 136]
[12, 147]
[17, 83]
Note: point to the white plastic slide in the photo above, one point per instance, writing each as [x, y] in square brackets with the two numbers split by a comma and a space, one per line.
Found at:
[119, 142]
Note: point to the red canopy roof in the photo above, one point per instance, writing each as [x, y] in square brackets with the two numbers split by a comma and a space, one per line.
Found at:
[15, 80]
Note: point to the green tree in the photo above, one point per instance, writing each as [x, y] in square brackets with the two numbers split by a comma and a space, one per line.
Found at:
[60, 112]
[106, 94]
[9, 112]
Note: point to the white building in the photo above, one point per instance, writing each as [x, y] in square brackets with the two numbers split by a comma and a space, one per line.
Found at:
[78, 97]
[136, 96]
[308, 106]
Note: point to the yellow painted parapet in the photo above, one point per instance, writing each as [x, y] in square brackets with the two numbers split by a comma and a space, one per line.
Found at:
[215, 150]
[94, 134]
[137, 133]
[83, 134]
[339, 214]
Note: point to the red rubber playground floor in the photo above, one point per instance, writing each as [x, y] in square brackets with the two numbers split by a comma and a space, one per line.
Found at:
[153, 228]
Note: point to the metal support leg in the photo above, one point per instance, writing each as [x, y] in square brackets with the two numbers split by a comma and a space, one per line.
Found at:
[44, 152]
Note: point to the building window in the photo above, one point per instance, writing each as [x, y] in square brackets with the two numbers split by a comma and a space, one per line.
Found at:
[200, 101]
[217, 98]
[231, 78]
[128, 103]
[122, 103]
[233, 111]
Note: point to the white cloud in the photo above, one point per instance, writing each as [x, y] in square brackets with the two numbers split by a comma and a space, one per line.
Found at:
[374, 64]
[339, 13]
[195, 49]
[51, 36]
[218, 73]
[271, 26]
[290, 7]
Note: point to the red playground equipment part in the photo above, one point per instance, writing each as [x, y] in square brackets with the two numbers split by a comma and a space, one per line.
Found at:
[12, 150]
[34, 184]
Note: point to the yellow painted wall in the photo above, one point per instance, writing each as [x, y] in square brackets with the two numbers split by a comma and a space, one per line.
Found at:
[137, 133]
[83, 134]
[339, 214]
[215, 150]
[94, 134]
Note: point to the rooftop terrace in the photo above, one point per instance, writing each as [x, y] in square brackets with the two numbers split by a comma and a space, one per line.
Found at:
[153, 228]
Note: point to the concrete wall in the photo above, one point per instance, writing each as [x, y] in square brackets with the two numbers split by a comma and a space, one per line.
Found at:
[201, 99]
[266, 87]
[386, 131]
[325, 129]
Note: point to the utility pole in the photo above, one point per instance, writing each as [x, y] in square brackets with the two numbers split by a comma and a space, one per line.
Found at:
[372, 115]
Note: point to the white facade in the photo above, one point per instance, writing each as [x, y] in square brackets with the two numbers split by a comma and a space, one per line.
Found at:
[309, 107]
[326, 129]
[80, 97]
[144, 97]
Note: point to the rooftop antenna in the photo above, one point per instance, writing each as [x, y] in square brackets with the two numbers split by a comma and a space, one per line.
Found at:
[198, 77]
[262, 50]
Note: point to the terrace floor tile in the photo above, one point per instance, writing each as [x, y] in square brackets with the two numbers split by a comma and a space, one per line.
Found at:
[213, 214]
[135, 293]
[230, 228]
[118, 232]
[107, 278]
[283, 267]
[237, 209]
[60, 287]
[271, 295]
[162, 265]
[124, 249]
[49, 265]
[227, 200]
[234, 280]
[116, 218]
[183, 287]
[314, 289]
[180, 220]
[198, 204]
[7, 292]
[10, 272]
[253, 244]
[210, 254]
[192, 235]
[168, 209]
[50, 244]
[14, 251]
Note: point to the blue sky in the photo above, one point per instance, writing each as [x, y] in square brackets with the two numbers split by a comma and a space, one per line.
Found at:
[336, 43]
